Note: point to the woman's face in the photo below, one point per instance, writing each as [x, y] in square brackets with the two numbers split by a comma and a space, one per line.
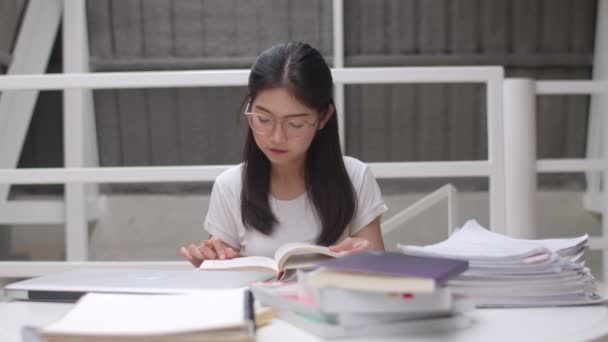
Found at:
[283, 128]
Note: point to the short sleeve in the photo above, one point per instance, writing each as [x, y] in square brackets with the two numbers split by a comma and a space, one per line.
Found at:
[220, 220]
[369, 201]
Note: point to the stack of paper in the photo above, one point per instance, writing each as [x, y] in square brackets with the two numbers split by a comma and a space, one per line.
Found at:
[504, 271]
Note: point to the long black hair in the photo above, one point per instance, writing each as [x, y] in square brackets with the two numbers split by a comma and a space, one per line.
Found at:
[302, 70]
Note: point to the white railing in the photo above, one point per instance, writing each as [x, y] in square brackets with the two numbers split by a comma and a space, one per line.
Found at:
[492, 168]
[525, 91]
[78, 83]
[595, 198]
[447, 192]
[26, 269]
[510, 168]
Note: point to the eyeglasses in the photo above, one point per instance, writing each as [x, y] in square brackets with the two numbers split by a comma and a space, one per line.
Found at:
[293, 128]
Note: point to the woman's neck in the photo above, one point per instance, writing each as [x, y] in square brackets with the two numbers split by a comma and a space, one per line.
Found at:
[287, 181]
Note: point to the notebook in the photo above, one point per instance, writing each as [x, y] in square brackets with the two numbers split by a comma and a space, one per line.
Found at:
[71, 285]
[210, 315]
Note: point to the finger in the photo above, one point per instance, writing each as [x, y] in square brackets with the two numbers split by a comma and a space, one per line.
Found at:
[219, 248]
[231, 253]
[337, 247]
[195, 256]
[184, 252]
[342, 246]
[360, 246]
[207, 252]
[209, 245]
[195, 253]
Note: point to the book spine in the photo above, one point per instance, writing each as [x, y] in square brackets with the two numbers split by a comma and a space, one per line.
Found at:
[249, 312]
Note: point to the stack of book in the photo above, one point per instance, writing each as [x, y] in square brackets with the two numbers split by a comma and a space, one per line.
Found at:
[508, 272]
[370, 294]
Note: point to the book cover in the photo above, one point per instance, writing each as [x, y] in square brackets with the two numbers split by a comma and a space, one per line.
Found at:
[398, 265]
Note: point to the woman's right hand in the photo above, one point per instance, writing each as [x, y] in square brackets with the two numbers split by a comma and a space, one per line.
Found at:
[213, 248]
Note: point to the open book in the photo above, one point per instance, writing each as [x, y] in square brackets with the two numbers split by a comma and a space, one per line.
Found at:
[287, 259]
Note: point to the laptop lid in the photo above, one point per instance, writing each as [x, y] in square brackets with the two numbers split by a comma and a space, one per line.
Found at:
[71, 285]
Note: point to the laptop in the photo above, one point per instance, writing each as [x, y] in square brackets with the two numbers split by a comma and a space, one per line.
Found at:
[68, 286]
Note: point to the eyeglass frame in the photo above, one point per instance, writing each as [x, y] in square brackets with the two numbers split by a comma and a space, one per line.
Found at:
[247, 115]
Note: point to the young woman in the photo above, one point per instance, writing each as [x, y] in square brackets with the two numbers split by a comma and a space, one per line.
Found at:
[294, 184]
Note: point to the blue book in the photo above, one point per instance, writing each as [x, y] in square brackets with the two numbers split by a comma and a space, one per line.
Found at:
[398, 265]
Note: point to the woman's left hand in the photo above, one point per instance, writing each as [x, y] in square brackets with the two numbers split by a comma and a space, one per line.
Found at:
[351, 245]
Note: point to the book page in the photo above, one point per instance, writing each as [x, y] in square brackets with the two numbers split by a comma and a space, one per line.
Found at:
[474, 241]
[299, 248]
[243, 263]
[100, 314]
[321, 278]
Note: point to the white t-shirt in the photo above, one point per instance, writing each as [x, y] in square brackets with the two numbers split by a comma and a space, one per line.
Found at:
[297, 220]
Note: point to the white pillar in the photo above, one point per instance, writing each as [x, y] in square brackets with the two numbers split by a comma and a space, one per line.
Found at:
[520, 157]
[338, 35]
[597, 144]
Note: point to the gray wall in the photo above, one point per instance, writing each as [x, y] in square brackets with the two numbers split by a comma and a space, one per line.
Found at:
[10, 14]
[532, 38]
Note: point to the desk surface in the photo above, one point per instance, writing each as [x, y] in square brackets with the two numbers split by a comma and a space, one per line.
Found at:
[537, 324]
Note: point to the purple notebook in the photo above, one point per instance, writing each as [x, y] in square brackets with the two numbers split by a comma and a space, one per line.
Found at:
[399, 265]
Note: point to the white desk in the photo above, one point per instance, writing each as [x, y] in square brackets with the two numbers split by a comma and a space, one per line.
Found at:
[539, 324]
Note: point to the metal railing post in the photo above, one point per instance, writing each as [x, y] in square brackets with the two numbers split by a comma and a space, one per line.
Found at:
[338, 35]
[597, 108]
[75, 118]
[496, 153]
